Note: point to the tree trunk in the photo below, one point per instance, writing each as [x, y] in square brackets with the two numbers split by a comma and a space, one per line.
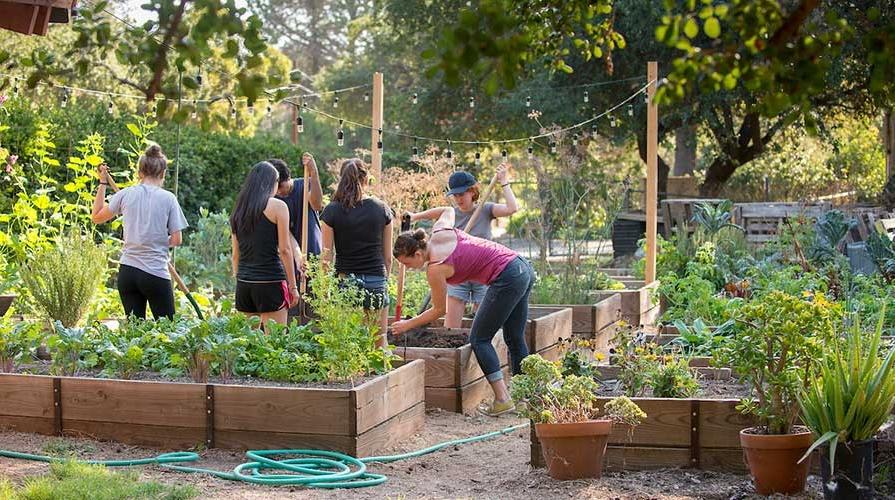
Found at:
[685, 150]
[718, 173]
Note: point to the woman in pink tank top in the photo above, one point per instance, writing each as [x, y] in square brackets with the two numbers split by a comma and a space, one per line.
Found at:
[452, 257]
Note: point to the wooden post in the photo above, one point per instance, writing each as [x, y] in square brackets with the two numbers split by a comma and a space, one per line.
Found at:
[652, 171]
[889, 142]
[377, 126]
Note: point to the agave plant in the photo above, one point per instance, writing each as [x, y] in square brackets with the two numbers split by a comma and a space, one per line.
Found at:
[854, 394]
[713, 217]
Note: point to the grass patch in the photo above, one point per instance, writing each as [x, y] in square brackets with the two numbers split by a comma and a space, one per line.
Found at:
[80, 481]
[63, 448]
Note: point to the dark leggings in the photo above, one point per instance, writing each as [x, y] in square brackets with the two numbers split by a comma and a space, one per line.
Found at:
[137, 287]
[505, 305]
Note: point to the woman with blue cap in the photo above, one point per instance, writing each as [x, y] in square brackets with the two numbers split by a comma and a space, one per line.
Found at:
[465, 191]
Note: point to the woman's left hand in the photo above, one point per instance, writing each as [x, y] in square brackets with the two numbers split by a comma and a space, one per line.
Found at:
[502, 173]
[399, 327]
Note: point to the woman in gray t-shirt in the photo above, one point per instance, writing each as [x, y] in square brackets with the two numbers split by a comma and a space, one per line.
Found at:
[153, 222]
[466, 191]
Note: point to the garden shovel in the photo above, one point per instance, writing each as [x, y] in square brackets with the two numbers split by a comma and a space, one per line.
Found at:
[174, 275]
[303, 310]
[402, 271]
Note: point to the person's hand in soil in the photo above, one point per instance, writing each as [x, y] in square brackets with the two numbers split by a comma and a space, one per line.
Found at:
[401, 327]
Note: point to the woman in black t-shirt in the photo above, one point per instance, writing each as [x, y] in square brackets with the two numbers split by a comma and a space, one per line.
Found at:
[360, 226]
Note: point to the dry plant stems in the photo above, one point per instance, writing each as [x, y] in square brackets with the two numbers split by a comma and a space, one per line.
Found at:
[63, 279]
[855, 392]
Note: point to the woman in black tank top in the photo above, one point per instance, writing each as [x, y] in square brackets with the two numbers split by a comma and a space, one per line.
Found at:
[262, 249]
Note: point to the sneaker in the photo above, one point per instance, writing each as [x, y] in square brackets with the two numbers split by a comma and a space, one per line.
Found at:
[497, 408]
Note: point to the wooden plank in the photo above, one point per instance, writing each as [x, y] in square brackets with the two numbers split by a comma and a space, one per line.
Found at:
[133, 402]
[720, 423]
[440, 363]
[667, 424]
[468, 369]
[604, 338]
[652, 169]
[42, 21]
[280, 409]
[20, 18]
[645, 458]
[552, 353]
[445, 398]
[549, 329]
[723, 460]
[26, 395]
[66, 4]
[249, 439]
[384, 397]
[391, 432]
[39, 425]
[463, 399]
[607, 311]
[158, 436]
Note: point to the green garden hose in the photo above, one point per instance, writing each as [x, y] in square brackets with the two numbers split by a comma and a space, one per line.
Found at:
[309, 468]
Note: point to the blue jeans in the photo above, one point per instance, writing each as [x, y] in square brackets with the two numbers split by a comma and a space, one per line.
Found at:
[374, 289]
[505, 305]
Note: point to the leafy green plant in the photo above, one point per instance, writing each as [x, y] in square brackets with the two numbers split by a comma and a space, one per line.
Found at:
[282, 353]
[854, 393]
[193, 351]
[692, 298]
[229, 340]
[882, 251]
[72, 349]
[8, 274]
[713, 217]
[673, 379]
[17, 340]
[544, 395]
[775, 347]
[120, 356]
[63, 279]
[571, 285]
[700, 339]
[205, 258]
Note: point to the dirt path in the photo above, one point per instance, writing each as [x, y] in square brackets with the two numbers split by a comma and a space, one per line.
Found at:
[493, 469]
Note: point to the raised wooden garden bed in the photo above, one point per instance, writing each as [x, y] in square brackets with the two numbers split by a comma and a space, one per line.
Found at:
[359, 421]
[546, 329]
[692, 433]
[638, 306]
[590, 320]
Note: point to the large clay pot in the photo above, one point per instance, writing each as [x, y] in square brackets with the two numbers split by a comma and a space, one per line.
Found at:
[574, 450]
[852, 477]
[5, 303]
[773, 460]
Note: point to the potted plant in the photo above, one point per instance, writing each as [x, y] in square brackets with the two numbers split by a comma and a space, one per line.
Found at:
[774, 348]
[563, 411]
[845, 406]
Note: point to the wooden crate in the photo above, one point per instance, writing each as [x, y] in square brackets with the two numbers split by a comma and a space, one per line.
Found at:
[761, 221]
[359, 421]
[453, 379]
[693, 433]
[639, 306]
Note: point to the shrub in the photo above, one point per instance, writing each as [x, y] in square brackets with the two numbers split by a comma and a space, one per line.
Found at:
[17, 340]
[62, 280]
[205, 258]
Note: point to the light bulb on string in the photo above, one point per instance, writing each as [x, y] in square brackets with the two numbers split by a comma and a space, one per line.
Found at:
[630, 110]
[251, 108]
[341, 135]
[111, 106]
[586, 97]
[379, 142]
[504, 154]
[269, 108]
[478, 158]
[528, 101]
[232, 111]
[195, 111]
[415, 151]
[645, 97]
[531, 149]
[415, 98]
[199, 78]
[612, 121]
[593, 129]
[575, 139]
[366, 96]
[299, 124]
[449, 154]
[553, 146]
[15, 86]
[336, 102]
[64, 98]
[471, 102]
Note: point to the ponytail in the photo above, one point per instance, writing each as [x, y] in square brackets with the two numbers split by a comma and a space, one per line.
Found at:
[352, 178]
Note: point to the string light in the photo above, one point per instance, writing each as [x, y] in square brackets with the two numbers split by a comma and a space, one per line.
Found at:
[15, 86]
[586, 97]
[593, 129]
[478, 158]
[64, 98]
[449, 154]
[630, 110]
[612, 122]
[111, 107]
[251, 107]
[504, 154]
[531, 149]
[379, 142]
[415, 156]
[341, 135]
[528, 102]
[336, 102]
[232, 111]
[366, 96]
[299, 124]
[645, 97]
[415, 98]
[269, 108]
[195, 111]
[199, 78]
[575, 139]
[471, 102]
[553, 147]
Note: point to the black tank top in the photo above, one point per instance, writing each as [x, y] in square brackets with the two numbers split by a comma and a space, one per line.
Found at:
[259, 258]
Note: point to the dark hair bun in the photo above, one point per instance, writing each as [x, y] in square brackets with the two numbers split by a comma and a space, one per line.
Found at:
[419, 235]
[154, 150]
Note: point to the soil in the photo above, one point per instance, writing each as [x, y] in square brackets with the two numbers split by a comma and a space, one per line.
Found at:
[708, 389]
[424, 337]
[43, 368]
[492, 469]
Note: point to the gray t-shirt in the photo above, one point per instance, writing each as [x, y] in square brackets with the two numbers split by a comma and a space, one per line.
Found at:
[151, 214]
[482, 227]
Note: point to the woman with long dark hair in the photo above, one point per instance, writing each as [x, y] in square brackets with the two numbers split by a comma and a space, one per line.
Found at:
[360, 228]
[452, 257]
[262, 248]
[153, 222]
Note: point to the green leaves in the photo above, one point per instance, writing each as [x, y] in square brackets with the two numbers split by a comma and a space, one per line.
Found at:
[712, 27]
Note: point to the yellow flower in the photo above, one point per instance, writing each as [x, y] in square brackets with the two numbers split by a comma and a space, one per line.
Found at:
[599, 356]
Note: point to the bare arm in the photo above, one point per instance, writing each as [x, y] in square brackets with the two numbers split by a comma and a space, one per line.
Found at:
[387, 248]
[437, 275]
[326, 253]
[284, 241]
[175, 239]
[100, 212]
[234, 254]
[510, 207]
[445, 220]
[315, 194]
[432, 213]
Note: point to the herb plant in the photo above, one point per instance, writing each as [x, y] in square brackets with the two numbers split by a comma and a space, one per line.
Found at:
[17, 341]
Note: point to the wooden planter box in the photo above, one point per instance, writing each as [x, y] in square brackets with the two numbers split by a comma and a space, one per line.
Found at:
[359, 421]
[546, 329]
[698, 364]
[453, 379]
[638, 307]
[590, 319]
[692, 433]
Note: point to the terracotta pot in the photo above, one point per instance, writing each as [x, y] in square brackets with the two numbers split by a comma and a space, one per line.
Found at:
[574, 450]
[773, 460]
[5, 303]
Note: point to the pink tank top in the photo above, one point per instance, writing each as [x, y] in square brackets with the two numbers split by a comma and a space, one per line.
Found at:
[477, 259]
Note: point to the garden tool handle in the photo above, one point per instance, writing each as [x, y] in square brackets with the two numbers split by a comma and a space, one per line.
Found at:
[304, 223]
[478, 210]
[402, 271]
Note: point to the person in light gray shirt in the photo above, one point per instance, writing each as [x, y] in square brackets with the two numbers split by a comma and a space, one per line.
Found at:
[466, 191]
[153, 222]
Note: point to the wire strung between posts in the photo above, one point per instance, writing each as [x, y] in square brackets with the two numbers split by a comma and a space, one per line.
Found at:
[476, 142]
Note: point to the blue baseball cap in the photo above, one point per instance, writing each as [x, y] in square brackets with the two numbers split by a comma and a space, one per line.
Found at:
[460, 182]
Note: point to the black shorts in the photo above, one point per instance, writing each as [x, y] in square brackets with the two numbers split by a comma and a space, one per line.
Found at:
[256, 298]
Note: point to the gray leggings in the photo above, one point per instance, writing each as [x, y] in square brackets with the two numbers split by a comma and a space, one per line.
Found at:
[505, 305]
